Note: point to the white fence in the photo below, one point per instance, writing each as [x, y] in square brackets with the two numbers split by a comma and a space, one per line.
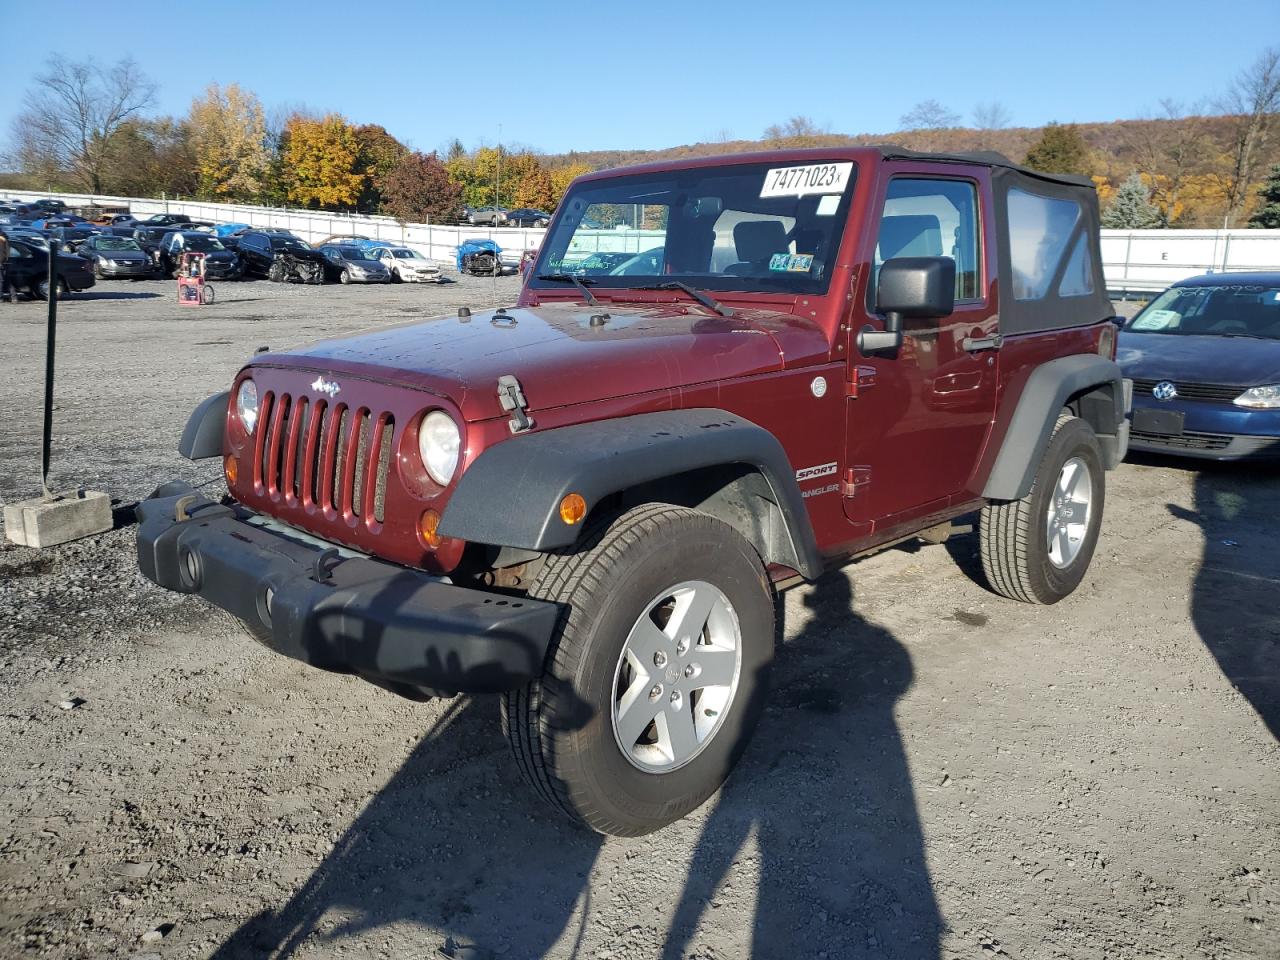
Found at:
[1134, 261]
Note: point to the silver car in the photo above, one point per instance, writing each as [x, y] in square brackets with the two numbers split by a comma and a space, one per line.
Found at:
[406, 265]
[355, 265]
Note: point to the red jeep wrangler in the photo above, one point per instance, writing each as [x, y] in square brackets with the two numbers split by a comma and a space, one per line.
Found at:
[723, 376]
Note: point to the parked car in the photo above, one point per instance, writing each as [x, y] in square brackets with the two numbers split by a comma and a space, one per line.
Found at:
[646, 263]
[1204, 357]
[165, 220]
[488, 216]
[350, 264]
[28, 269]
[527, 217]
[479, 256]
[406, 265]
[219, 262]
[55, 206]
[70, 237]
[282, 257]
[114, 256]
[149, 238]
[35, 238]
[588, 510]
[224, 230]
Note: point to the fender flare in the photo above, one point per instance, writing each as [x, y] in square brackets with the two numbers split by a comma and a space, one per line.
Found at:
[1047, 391]
[510, 495]
[202, 436]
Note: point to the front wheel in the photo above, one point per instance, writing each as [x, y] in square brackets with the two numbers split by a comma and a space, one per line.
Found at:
[656, 674]
[344, 277]
[1037, 549]
[207, 295]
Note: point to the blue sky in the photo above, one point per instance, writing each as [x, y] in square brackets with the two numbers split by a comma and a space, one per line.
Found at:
[653, 74]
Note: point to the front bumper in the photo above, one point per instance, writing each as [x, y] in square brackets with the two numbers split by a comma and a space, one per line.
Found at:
[402, 629]
[1206, 430]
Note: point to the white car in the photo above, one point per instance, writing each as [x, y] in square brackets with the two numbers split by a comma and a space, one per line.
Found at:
[407, 265]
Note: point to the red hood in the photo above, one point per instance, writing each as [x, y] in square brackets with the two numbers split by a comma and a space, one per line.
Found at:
[560, 358]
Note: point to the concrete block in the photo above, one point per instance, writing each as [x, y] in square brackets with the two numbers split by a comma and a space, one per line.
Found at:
[45, 523]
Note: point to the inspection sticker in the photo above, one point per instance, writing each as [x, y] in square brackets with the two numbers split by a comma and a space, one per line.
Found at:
[791, 262]
[801, 181]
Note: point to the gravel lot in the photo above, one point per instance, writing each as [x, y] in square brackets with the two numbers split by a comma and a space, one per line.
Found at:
[941, 773]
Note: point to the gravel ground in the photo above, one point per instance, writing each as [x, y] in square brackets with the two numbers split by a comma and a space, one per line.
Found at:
[941, 773]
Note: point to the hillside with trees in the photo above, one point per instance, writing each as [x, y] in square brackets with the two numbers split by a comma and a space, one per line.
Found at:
[87, 128]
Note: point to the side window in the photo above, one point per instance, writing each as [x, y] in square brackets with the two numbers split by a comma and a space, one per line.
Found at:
[1040, 230]
[932, 218]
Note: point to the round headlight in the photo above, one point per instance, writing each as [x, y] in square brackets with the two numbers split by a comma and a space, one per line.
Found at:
[440, 444]
[247, 404]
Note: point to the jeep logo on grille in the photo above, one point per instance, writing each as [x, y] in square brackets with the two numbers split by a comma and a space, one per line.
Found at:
[327, 387]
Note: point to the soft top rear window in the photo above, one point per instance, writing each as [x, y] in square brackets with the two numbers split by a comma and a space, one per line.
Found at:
[754, 227]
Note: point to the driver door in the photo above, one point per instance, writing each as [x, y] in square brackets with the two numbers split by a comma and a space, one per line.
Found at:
[917, 421]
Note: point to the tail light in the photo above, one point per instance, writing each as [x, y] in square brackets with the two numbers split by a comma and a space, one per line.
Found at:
[1107, 342]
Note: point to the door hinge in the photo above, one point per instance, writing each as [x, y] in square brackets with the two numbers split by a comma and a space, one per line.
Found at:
[854, 479]
[511, 396]
[860, 378]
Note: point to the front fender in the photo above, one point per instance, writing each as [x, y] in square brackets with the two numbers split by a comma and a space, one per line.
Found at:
[202, 436]
[510, 495]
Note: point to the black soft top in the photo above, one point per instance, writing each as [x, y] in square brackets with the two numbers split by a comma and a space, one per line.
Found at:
[986, 158]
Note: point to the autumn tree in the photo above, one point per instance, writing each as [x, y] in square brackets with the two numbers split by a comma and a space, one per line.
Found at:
[1060, 149]
[419, 190]
[320, 162]
[1267, 216]
[923, 122]
[71, 115]
[1254, 100]
[379, 153]
[1171, 149]
[229, 131]
[991, 115]
[564, 175]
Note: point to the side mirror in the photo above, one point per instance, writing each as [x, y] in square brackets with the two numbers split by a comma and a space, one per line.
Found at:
[915, 287]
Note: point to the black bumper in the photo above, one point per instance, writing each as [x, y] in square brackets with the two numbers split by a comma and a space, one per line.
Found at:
[402, 629]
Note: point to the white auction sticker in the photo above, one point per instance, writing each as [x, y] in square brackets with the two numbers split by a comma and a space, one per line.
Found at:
[799, 181]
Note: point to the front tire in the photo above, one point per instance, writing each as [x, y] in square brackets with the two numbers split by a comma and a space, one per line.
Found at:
[1038, 549]
[344, 277]
[656, 674]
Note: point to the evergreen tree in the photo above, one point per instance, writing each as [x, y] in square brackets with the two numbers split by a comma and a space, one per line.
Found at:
[1131, 208]
[1267, 216]
[1060, 149]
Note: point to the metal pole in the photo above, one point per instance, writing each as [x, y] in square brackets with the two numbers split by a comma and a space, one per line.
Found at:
[47, 438]
[497, 190]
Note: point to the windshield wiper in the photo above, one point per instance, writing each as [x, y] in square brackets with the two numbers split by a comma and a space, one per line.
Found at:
[576, 281]
[708, 301]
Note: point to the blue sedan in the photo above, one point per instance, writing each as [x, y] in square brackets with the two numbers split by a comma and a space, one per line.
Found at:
[1204, 357]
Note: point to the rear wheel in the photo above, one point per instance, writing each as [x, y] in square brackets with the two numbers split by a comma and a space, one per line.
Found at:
[1038, 549]
[207, 294]
[40, 289]
[656, 674]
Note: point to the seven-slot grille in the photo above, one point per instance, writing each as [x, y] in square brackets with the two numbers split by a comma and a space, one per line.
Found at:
[1213, 392]
[324, 454]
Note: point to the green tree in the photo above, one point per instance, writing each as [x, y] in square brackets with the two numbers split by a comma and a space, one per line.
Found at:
[380, 152]
[1267, 216]
[229, 133]
[1060, 149]
[1131, 208]
[420, 190]
[151, 157]
[320, 162]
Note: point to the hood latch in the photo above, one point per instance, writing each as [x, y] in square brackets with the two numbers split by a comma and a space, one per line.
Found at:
[511, 396]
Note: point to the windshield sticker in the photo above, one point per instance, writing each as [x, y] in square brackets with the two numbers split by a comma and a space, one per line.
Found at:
[827, 205]
[1157, 320]
[791, 262]
[801, 181]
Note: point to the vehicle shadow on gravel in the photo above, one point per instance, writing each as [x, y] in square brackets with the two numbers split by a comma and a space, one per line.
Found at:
[1236, 594]
[841, 860]
[420, 856]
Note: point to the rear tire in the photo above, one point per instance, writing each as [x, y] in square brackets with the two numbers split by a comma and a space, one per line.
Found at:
[1037, 549]
[628, 583]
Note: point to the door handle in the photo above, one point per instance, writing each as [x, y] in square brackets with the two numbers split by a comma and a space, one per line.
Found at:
[977, 344]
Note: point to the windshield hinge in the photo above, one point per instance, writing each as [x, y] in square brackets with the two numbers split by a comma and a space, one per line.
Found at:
[511, 396]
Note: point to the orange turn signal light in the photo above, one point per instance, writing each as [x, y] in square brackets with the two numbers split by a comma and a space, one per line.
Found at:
[573, 508]
[231, 467]
[429, 528]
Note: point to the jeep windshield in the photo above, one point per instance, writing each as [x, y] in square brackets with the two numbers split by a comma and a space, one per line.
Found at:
[1223, 310]
[752, 227]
